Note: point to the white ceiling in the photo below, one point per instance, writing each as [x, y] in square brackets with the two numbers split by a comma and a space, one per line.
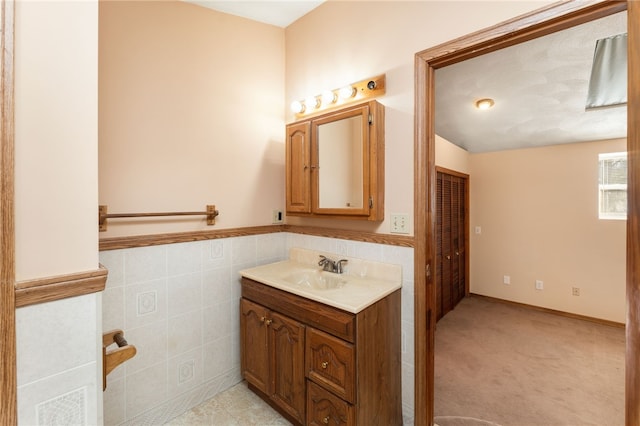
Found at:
[279, 13]
[539, 88]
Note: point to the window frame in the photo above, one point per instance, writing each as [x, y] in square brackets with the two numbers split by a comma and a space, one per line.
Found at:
[604, 215]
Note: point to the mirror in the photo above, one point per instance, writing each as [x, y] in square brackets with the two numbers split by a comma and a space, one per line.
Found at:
[335, 164]
[340, 171]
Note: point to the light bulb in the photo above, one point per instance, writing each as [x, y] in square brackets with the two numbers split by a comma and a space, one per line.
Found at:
[347, 92]
[297, 107]
[328, 97]
[312, 103]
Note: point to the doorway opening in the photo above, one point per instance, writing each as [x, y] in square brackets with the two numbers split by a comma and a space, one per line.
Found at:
[544, 21]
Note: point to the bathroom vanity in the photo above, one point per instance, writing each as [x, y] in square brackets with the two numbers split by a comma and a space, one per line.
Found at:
[324, 348]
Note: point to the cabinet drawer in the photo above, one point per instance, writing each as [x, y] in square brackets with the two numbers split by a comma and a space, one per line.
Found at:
[330, 362]
[324, 408]
[315, 314]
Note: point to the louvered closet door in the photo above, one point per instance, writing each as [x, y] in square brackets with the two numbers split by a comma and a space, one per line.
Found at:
[451, 226]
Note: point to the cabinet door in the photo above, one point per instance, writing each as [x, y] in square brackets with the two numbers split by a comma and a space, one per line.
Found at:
[298, 167]
[287, 384]
[253, 332]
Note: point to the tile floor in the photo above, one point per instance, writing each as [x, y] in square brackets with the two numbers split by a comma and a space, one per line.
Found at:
[237, 406]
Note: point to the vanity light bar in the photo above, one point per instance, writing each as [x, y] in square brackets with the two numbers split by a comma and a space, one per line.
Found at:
[361, 90]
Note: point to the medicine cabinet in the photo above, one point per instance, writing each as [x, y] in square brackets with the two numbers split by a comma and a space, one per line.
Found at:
[335, 164]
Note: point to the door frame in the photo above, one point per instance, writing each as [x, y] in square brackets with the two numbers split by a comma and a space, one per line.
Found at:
[541, 22]
[8, 374]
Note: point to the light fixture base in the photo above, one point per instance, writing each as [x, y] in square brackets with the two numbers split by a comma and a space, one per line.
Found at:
[362, 90]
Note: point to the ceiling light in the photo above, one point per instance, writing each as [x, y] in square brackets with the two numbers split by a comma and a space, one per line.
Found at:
[484, 103]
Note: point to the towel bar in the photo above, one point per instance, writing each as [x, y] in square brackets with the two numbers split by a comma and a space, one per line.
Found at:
[115, 357]
[211, 213]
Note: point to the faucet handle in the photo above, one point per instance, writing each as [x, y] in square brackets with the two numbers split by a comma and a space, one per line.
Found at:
[323, 260]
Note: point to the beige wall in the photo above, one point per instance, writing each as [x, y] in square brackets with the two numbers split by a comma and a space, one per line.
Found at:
[56, 170]
[451, 156]
[56, 138]
[342, 42]
[191, 113]
[538, 213]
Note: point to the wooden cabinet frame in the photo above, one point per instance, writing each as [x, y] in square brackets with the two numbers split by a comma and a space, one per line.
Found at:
[303, 169]
[352, 360]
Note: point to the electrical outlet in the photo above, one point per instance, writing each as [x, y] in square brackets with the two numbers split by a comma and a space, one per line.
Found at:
[276, 216]
[539, 285]
[506, 279]
[575, 291]
[400, 223]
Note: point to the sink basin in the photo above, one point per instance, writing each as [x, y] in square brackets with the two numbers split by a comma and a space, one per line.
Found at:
[316, 279]
[362, 284]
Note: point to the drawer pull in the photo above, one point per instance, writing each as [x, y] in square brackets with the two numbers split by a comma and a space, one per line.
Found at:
[326, 420]
[324, 365]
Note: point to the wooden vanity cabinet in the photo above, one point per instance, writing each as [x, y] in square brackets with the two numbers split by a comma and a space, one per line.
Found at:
[273, 359]
[327, 366]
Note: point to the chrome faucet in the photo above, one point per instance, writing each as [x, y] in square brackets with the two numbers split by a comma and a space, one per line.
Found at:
[335, 266]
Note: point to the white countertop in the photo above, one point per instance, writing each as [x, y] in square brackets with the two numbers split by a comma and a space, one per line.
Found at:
[362, 284]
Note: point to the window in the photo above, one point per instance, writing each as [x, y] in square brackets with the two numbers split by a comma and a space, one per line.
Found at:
[612, 185]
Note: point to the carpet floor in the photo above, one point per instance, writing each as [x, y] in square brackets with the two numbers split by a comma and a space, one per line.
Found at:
[516, 366]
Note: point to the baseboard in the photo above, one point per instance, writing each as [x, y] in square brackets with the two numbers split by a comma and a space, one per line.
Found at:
[551, 311]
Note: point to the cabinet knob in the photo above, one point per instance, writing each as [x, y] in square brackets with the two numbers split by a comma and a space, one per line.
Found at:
[262, 319]
[324, 365]
[448, 257]
[326, 420]
[457, 253]
[268, 322]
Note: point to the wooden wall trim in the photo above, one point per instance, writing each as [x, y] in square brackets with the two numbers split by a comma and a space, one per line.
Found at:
[555, 17]
[551, 311]
[452, 172]
[344, 234]
[115, 243]
[49, 289]
[543, 21]
[8, 374]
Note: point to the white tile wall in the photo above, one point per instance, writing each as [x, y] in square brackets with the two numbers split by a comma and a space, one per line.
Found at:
[59, 364]
[179, 305]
